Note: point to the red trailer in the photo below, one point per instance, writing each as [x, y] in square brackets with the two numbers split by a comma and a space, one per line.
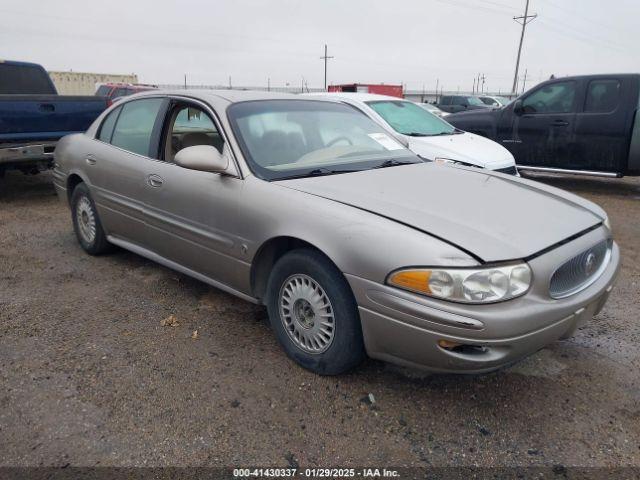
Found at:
[380, 89]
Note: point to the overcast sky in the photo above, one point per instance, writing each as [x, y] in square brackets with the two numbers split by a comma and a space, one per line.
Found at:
[415, 42]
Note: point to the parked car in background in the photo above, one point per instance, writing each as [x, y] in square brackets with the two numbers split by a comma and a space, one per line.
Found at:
[33, 116]
[494, 101]
[115, 91]
[351, 241]
[584, 124]
[459, 103]
[431, 108]
[377, 88]
[428, 135]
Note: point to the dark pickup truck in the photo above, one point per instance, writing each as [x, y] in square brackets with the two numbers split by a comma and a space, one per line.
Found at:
[33, 117]
[586, 124]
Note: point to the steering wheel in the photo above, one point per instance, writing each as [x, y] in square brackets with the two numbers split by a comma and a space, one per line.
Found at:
[337, 139]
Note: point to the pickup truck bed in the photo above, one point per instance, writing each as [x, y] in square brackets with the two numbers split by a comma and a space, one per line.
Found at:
[31, 124]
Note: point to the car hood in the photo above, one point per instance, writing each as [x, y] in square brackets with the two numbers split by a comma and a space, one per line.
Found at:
[493, 216]
[463, 147]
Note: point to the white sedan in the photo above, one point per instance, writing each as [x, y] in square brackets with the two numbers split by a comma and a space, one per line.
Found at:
[427, 135]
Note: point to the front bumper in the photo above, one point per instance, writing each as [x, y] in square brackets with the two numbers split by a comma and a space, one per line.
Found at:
[404, 328]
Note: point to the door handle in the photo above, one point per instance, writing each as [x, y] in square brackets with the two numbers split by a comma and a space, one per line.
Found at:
[154, 180]
[90, 160]
[560, 123]
[47, 107]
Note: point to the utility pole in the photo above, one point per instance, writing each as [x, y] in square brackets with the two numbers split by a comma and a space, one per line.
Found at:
[473, 89]
[268, 84]
[437, 82]
[325, 58]
[524, 80]
[523, 20]
[185, 81]
[483, 79]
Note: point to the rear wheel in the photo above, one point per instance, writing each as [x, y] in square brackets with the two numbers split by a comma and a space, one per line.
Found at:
[313, 313]
[86, 222]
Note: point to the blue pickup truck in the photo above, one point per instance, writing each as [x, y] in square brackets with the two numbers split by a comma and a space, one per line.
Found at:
[33, 117]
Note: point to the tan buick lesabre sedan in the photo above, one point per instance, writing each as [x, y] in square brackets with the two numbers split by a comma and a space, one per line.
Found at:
[355, 245]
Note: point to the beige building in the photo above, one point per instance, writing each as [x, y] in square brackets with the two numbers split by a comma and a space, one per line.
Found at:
[84, 83]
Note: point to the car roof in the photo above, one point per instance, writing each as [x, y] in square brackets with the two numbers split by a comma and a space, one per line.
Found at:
[228, 96]
[355, 96]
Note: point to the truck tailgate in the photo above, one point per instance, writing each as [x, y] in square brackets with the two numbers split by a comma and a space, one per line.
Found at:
[46, 117]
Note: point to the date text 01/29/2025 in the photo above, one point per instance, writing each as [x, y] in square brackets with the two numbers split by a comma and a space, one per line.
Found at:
[315, 472]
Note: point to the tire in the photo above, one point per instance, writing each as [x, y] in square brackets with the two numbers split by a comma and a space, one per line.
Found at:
[86, 223]
[309, 300]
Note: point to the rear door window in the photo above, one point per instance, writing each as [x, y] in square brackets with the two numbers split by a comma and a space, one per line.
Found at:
[558, 97]
[135, 125]
[602, 96]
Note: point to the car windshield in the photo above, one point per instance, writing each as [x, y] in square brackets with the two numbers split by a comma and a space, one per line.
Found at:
[503, 100]
[295, 138]
[408, 118]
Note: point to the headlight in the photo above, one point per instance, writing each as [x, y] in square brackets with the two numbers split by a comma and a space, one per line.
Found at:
[466, 285]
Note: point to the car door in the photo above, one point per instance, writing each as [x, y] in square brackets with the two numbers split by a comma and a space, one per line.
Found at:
[119, 159]
[192, 214]
[542, 125]
[601, 126]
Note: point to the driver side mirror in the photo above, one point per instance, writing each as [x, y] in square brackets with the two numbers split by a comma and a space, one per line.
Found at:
[518, 108]
[204, 158]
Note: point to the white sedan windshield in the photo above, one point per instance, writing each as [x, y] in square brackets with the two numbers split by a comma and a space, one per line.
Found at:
[408, 118]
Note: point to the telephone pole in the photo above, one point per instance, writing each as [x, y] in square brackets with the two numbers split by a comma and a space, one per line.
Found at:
[524, 80]
[325, 58]
[522, 20]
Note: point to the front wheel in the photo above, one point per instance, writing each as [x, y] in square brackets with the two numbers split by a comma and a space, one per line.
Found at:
[86, 222]
[313, 313]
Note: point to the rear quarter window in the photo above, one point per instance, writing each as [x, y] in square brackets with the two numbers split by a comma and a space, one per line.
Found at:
[106, 129]
[602, 96]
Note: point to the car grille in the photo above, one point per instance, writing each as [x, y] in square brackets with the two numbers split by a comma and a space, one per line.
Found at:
[508, 170]
[581, 271]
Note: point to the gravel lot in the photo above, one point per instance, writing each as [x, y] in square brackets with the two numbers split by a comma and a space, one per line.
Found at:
[90, 377]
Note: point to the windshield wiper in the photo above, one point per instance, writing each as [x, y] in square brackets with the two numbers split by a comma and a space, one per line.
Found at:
[392, 163]
[319, 172]
[415, 134]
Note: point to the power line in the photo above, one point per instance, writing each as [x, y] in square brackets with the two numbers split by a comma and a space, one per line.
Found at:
[325, 58]
[523, 20]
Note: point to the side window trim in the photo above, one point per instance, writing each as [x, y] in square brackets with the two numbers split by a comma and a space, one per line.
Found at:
[156, 133]
[172, 104]
[216, 120]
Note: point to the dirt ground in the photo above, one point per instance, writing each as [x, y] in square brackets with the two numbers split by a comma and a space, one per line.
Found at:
[90, 377]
